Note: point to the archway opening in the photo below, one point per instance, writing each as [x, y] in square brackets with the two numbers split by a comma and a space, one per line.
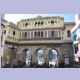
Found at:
[53, 58]
[40, 57]
[28, 57]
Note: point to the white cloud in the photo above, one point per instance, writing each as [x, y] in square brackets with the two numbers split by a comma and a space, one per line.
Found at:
[16, 17]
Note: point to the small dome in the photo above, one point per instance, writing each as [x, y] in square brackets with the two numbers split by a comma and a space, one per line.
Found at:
[39, 16]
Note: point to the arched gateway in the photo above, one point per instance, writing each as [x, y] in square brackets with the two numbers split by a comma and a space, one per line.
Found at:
[28, 57]
[40, 56]
[53, 58]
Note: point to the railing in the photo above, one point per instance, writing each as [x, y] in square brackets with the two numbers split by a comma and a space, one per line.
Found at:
[56, 38]
[14, 39]
[11, 38]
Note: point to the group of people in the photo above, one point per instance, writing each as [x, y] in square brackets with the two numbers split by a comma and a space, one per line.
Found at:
[21, 64]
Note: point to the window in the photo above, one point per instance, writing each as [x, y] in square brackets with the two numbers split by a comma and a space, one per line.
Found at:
[40, 56]
[4, 31]
[13, 32]
[52, 33]
[56, 33]
[52, 22]
[68, 33]
[53, 59]
[53, 55]
[28, 57]
[35, 23]
[42, 23]
[25, 34]
[35, 34]
[26, 24]
[41, 33]
[38, 33]
[38, 23]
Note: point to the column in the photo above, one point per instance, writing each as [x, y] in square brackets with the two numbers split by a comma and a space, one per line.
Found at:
[33, 34]
[47, 57]
[59, 33]
[47, 34]
[33, 57]
[30, 34]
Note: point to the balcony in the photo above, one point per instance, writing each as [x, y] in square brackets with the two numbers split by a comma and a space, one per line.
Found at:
[37, 40]
[11, 39]
[40, 38]
[43, 40]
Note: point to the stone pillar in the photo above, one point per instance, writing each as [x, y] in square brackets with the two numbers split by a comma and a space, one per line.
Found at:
[47, 57]
[20, 54]
[47, 34]
[33, 35]
[29, 34]
[33, 56]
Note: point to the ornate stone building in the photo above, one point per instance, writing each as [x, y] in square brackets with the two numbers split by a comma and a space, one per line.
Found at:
[39, 41]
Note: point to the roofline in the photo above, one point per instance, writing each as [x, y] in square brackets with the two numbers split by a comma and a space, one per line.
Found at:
[69, 23]
[47, 17]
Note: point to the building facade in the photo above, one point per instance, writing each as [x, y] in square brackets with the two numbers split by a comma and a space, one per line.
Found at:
[39, 41]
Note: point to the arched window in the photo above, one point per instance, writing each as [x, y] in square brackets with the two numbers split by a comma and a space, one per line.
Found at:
[42, 23]
[13, 32]
[27, 57]
[52, 22]
[53, 55]
[40, 56]
[68, 33]
[38, 23]
[35, 23]
[53, 59]
[26, 24]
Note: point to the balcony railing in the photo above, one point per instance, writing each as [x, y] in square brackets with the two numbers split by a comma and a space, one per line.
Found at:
[11, 38]
[51, 38]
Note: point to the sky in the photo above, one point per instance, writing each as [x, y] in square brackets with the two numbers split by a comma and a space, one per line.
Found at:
[17, 17]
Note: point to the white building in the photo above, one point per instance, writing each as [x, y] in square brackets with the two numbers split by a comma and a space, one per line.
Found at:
[3, 24]
[39, 41]
[76, 38]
